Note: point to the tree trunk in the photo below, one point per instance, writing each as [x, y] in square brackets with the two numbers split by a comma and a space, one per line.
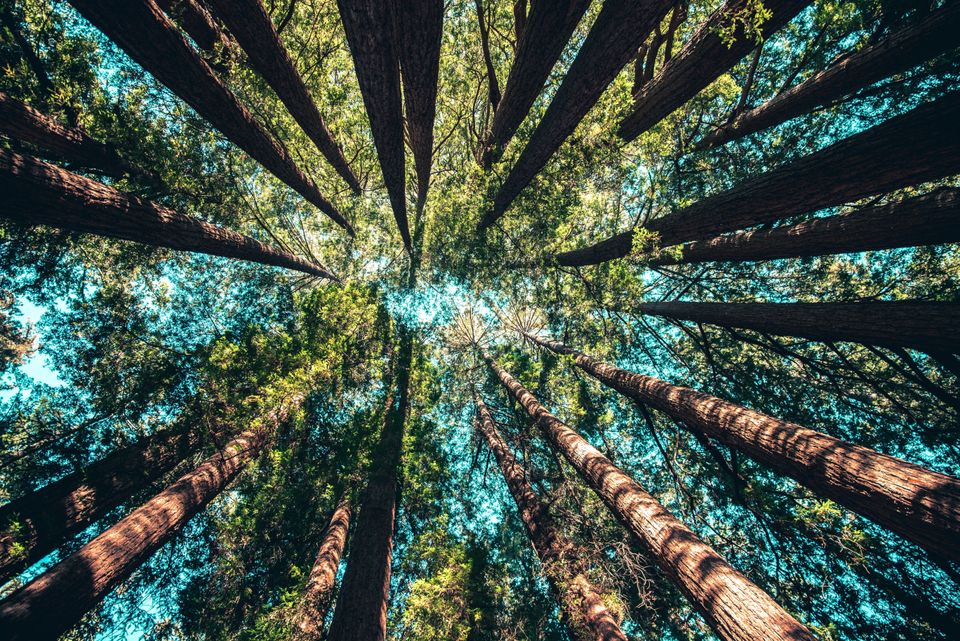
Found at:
[701, 61]
[369, 28]
[619, 29]
[254, 31]
[493, 87]
[906, 48]
[547, 31]
[148, 36]
[519, 20]
[735, 608]
[33, 192]
[932, 219]
[581, 602]
[916, 503]
[926, 326]
[198, 23]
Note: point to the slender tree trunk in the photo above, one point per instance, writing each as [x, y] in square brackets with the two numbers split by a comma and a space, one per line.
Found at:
[148, 36]
[493, 87]
[547, 31]
[916, 503]
[33, 192]
[619, 29]
[519, 20]
[735, 608]
[932, 219]
[585, 613]
[677, 18]
[369, 25]
[926, 326]
[198, 23]
[701, 61]
[251, 26]
[901, 50]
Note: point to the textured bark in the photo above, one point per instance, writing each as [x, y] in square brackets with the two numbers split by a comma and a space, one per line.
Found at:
[901, 50]
[148, 36]
[547, 30]
[701, 61]
[931, 219]
[519, 20]
[585, 614]
[198, 23]
[493, 87]
[37, 193]
[909, 149]
[369, 28]
[613, 41]
[926, 326]
[251, 26]
[916, 503]
[735, 608]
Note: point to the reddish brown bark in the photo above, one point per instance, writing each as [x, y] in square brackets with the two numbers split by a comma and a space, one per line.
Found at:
[916, 503]
[735, 608]
[586, 615]
[198, 23]
[37, 193]
[148, 36]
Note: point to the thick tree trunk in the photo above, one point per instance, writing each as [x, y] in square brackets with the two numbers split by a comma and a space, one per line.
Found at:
[613, 41]
[369, 25]
[901, 50]
[198, 23]
[547, 30]
[251, 26]
[926, 326]
[701, 61]
[323, 576]
[735, 608]
[931, 219]
[493, 87]
[916, 503]
[148, 36]
[585, 613]
[37, 193]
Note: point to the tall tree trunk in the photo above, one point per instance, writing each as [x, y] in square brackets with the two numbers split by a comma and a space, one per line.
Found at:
[251, 26]
[547, 30]
[493, 87]
[931, 219]
[198, 23]
[901, 50]
[916, 503]
[519, 20]
[735, 608]
[148, 36]
[619, 29]
[701, 61]
[585, 613]
[926, 326]
[37, 193]
[369, 25]
[909, 149]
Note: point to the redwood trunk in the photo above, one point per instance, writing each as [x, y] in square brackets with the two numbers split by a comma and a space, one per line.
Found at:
[37, 193]
[916, 503]
[735, 608]
[493, 87]
[585, 613]
[148, 36]
[254, 31]
[197, 22]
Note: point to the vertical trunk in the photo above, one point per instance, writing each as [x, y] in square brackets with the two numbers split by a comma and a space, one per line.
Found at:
[254, 31]
[677, 18]
[148, 36]
[369, 25]
[735, 608]
[701, 61]
[916, 503]
[493, 87]
[519, 20]
[37, 193]
[584, 612]
[198, 23]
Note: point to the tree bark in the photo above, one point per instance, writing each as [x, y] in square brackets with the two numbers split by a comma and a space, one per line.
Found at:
[493, 87]
[519, 20]
[198, 23]
[584, 611]
[701, 61]
[33, 192]
[901, 50]
[920, 505]
[148, 36]
[251, 26]
[369, 25]
[735, 608]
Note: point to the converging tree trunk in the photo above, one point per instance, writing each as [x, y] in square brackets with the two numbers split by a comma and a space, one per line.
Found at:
[33, 192]
[493, 87]
[586, 615]
[735, 608]
[198, 23]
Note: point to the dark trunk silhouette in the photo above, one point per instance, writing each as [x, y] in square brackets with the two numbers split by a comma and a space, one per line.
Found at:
[519, 20]
[198, 23]
[735, 608]
[493, 87]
